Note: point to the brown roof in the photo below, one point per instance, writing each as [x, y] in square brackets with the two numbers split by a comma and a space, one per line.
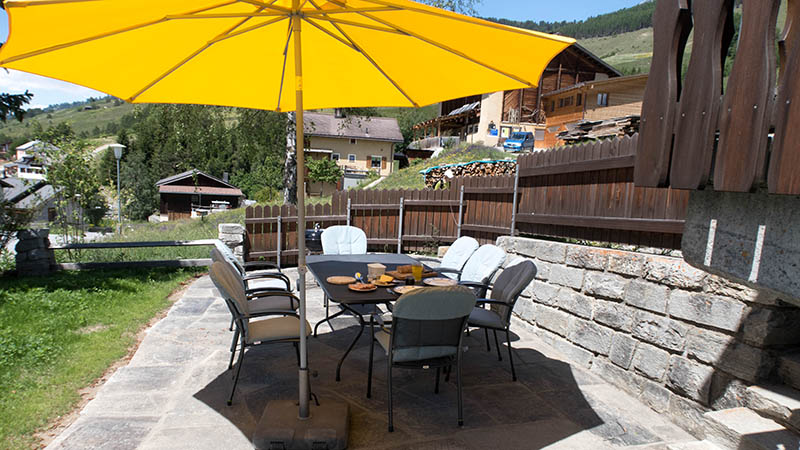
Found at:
[353, 127]
[615, 80]
[177, 189]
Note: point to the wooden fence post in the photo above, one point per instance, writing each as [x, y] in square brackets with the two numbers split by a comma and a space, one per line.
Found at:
[514, 201]
[400, 228]
[278, 221]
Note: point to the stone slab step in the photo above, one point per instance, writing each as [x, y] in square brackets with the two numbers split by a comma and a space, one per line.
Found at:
[744, 429]
[777, 402]
[695, 445]
[789, 369]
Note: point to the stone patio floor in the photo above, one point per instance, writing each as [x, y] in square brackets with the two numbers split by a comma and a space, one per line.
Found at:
[172, 393]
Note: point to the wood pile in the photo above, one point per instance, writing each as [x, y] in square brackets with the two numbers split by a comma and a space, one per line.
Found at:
[591, 130]
[435, 175]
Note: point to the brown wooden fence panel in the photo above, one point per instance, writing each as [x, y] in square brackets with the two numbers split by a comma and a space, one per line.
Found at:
[744, 117]
[671, 25]
[784, 176]
[582, 192]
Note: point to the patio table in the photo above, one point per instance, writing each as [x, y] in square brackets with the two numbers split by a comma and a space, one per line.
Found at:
[324, 266]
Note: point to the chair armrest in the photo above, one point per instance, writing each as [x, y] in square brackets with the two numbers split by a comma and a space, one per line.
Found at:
[275, 312]
[475, 284]
[274, 276]
[255, 265]
[486, 301]
[448, 270]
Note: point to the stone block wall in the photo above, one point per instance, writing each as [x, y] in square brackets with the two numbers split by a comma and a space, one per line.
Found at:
[232, 235]
[34, 256]
[681, 340]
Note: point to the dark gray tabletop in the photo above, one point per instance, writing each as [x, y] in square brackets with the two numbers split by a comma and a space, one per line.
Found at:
[324, 266]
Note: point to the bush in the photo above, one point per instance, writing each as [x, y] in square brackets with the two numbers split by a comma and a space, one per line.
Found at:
[324, 170]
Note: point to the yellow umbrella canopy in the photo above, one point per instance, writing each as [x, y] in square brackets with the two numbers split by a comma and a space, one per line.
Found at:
[239, 52]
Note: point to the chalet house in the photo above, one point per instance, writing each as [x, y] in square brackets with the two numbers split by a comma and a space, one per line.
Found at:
[493, 117]
[592, 100]
[194, 194]
[31, 161]
[358, 144]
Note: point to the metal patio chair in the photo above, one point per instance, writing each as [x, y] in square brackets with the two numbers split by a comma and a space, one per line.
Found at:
[342, 240]
[505, 292]
[257, 277]
[426, 332]
[479, 268]
[253, 332]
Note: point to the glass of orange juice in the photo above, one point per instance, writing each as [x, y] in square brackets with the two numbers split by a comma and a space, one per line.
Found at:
[416, 270]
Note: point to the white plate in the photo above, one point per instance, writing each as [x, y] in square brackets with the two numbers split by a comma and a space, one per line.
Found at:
[439, 281]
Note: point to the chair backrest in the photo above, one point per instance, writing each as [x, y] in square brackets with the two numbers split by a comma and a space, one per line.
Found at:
[344, 240]
[458, 254]
[230, 286]
[510, 284]
[428, 323]
[483, 263]
[226, 252]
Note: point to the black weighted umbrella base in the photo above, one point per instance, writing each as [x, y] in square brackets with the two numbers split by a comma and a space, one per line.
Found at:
[281, 429]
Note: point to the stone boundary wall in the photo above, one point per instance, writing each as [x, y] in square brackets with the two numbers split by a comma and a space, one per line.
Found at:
[681, 340]
[232, 235]
[34, 256]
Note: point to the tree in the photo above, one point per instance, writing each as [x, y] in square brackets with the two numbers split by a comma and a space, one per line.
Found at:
[11, 105]
[76, 186]
[139, 193]
[324, 170]
[460, 6]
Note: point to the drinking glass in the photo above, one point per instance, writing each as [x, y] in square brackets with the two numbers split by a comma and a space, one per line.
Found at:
[416, 270]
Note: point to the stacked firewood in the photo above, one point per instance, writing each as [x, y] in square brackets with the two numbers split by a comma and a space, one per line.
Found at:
[437, 176]
[590, 130]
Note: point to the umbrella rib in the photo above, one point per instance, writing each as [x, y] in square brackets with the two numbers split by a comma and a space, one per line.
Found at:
[44, 2]
[208, 44]
[283, 68]
[365, 25]
[104, 35]
[332, 35]
[267, 5]
[448, 49]
[471, 20]
[374, 63]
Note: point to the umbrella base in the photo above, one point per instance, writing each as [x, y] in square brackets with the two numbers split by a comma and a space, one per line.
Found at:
[280, 428]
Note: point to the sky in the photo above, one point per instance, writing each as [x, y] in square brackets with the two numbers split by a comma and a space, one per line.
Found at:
[47, 91]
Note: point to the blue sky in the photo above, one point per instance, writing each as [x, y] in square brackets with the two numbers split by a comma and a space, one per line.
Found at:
[47, 91]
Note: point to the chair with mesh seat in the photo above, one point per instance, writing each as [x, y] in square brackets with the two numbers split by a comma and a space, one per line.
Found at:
[269, 330]
[257, 279]
[426, 332]
[342, 240]
[505, 292]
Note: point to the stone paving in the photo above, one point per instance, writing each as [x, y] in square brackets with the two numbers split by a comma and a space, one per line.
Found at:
[172, 393]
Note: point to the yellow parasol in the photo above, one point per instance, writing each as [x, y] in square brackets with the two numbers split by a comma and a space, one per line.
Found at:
[251, 54]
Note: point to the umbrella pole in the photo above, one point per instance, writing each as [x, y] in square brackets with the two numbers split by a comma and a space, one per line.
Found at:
[301, 210]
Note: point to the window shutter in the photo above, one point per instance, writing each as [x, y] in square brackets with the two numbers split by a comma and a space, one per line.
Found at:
[383, 162]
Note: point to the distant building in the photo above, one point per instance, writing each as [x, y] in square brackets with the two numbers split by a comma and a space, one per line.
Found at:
[491, 118]
[35, 195]
[31, 161]
[358, 144]
[194, 194]
[592, 100]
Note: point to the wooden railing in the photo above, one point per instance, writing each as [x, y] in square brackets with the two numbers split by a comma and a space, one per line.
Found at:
[688, 131]
[132, 264]
[582, 192]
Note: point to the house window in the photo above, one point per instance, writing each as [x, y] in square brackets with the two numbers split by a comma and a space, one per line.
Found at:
[538, 135]
[335, 156]
[561, 103]
[602, 99]
[351, 158]
[353, 141]
[375, 162]
[552, 106]
[578, 99]
[568, 101]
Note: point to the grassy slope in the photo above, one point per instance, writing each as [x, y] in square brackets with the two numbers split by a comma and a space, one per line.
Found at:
[410, 178]
[634, 50]
[61, 332]
[79, 120]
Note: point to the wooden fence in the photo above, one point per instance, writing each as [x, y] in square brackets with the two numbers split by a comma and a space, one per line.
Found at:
[582, 192]
[691, 130]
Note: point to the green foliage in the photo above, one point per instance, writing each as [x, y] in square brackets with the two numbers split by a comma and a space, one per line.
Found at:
[323, 170]
[61, 332]
[621, 21]
[139, 191]
[460, 6]
[11, 221]
[76, 186]
[11, 105]
[408, 117]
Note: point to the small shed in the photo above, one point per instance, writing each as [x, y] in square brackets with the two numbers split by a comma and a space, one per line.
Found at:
[194, 193]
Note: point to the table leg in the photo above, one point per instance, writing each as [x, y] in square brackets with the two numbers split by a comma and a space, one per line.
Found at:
[361, 325]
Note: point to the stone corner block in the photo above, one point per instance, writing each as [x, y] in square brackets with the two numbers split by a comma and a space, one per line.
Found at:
[230, 228]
